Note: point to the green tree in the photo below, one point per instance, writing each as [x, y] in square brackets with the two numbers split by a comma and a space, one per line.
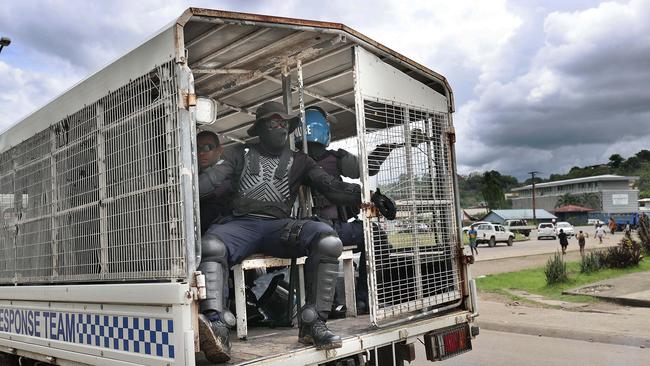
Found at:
[590, 200]
[643, 155]
[568, 199]
[631, 163]
[492, 192]
[615, 161]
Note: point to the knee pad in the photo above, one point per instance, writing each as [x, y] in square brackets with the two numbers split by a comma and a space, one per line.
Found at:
[213, 249]
[330, 246]
[308, 315]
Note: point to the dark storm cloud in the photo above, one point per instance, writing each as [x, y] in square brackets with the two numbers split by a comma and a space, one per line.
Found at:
[584, 92]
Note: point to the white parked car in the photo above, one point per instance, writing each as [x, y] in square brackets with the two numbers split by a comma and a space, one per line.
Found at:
[566, 227]
[493, 234]
[546, 230]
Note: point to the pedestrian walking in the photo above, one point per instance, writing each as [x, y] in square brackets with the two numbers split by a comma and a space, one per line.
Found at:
[564, 241]
[612, 225]
[582, 239]
[472, 233]
[600, 233]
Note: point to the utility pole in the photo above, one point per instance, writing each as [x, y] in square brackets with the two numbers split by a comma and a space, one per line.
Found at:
[532, 174]
[4, 42]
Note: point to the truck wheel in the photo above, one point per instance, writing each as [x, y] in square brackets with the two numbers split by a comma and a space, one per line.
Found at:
[492, 242]
[527, 234]
[510, 241]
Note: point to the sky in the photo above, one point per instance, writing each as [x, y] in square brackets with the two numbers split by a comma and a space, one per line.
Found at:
[539, 85]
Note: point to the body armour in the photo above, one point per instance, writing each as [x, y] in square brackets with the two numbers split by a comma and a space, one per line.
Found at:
[264, 185]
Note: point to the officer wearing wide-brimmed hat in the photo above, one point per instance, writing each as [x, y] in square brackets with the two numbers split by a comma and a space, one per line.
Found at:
[266, 177]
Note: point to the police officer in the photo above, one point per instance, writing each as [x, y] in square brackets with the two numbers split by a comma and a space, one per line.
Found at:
[265, 178]
[340, 163]
[209, 152]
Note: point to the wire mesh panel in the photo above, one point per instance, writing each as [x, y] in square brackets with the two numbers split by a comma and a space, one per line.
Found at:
[414, 256]
[96, 196]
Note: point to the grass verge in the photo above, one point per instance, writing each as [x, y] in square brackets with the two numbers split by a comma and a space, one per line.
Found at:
[533, 281]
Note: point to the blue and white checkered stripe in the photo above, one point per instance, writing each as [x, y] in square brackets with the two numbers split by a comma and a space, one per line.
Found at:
[125, 333]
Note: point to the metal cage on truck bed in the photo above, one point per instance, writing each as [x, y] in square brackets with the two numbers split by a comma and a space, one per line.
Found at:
[99, 189]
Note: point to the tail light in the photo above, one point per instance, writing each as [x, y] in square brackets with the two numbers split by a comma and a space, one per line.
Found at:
[448, 342]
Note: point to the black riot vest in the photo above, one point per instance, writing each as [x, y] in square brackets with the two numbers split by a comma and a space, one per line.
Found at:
[264, 185]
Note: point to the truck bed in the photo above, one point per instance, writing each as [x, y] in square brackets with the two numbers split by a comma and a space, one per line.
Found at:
[280, 345]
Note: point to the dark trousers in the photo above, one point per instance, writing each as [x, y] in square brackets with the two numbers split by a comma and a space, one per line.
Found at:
[250, 235]
[246, 236]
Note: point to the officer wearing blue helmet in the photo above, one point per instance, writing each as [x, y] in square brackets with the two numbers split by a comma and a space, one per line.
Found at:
[340, 163]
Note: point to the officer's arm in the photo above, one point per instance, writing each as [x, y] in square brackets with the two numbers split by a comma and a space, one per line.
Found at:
[348, 164]
[379, 155]
[213, 180]
[381, 152]
[336, 191]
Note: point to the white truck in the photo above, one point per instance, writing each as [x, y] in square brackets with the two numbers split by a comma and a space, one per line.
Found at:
[101, 239]
[491, 234]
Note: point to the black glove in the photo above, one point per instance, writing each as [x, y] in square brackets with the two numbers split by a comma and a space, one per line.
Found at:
[384, 204]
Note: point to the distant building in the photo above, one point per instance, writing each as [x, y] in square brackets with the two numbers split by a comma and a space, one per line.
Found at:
[610, 194]
[500, 216]
[644, 205]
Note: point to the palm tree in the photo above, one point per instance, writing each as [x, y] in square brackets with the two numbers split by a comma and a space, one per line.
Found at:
[567, 199]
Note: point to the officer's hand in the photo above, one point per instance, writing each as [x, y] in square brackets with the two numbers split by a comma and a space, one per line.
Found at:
[370, 209]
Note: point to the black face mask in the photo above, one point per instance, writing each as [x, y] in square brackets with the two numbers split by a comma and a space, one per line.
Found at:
[274, 140]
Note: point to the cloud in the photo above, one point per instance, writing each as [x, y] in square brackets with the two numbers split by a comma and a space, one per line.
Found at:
[541, 85]
[21, 92]
[584, 93]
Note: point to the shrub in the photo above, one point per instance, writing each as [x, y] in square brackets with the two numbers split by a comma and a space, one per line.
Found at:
[644, 232]
[555, 270]
[626, 254]
[590, 263]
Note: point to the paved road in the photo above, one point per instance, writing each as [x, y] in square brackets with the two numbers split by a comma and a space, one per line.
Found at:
[535, 246]
[498, 348]
[532, 253]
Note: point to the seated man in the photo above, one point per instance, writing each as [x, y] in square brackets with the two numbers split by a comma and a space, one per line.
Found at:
[209, 150]
[266, 177]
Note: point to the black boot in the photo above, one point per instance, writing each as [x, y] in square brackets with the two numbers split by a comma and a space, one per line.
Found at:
[314, 331]
[215, 337]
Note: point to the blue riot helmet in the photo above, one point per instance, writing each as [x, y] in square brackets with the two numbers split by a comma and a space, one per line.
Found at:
[318, 125]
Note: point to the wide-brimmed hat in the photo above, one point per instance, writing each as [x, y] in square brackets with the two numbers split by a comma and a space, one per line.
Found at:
[269, 109]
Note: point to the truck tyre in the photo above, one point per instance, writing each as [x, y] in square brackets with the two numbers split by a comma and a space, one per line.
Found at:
[492, 242]
[510, 241]
[526, 233]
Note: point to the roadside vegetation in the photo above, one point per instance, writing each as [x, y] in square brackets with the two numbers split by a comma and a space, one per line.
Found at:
[534, 281]
[557, 276]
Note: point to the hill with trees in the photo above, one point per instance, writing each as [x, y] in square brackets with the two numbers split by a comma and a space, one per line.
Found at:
[488, 188]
